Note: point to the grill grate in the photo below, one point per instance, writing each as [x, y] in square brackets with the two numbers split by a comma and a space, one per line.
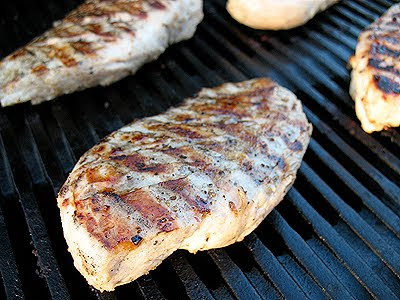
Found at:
[335, 236]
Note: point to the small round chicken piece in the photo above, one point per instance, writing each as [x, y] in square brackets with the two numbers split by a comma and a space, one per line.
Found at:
[276, 15]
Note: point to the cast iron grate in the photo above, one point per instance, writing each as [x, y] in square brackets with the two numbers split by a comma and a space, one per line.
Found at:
[335, 236]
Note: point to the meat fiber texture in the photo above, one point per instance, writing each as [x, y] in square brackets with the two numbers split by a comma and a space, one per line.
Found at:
[199, 176]
[98, 43]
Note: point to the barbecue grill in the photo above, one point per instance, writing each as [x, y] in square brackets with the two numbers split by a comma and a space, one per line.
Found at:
[336, 235]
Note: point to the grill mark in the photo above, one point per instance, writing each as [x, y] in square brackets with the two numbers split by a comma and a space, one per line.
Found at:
[179, 129]
[144, 203]
[61, 54]
[18, 53]
[375, 63]
[280, 162]
[97, 29]
[134, 136]
[394, 40]
[183, 189]
[237, 130]
[40, 70]
[238, 105]
[185, 132]
[64, 31]
[138, 163]
[124, 27]
[108, 10]
[110, 229]
[83, 47]
[384, 50]
[386, 84]
[296, 146]
[197, 161]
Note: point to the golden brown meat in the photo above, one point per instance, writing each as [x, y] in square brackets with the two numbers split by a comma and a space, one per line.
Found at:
[199, 176]
[375, 79]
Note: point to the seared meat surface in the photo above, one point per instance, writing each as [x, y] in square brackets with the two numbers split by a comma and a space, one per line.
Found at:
[375, 79]
[98, 43]
[199, 176]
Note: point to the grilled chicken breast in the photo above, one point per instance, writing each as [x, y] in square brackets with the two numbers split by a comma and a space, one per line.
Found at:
[98, 43]
[199, 176]
[274, 14]
[375, 79]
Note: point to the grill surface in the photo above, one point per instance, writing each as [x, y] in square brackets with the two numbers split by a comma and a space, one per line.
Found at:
[336, 234]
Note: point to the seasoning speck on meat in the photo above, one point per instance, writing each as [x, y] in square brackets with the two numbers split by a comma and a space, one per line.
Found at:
[199, 176]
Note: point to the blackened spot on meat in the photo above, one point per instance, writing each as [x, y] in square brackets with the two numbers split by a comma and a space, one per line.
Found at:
[114, 196]
[380, 65]
[382, 49]
[279, 161]
[387, 85]
[281, 164]
[136, 239]
[63, 190]
[392, 40]
[140, 165]
[296, 146]
[118, 157]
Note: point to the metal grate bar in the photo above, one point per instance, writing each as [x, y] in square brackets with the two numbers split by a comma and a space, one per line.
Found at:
[46, 259]
[233, 276]
[195, 288]
[148, 288]
[273, 269]
[359, 226]
[339, 246]
[9, 272]
[304, 254]
[391, 220]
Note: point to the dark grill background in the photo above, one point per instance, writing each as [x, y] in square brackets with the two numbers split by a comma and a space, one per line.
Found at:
[335, 235]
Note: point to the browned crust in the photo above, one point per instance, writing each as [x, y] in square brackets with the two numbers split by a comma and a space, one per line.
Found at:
[74, 25]
[112, 230]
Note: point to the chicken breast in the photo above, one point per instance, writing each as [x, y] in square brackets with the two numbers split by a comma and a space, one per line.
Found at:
[98, 43]
[274, 14]
[375, 79]
[199, 176]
